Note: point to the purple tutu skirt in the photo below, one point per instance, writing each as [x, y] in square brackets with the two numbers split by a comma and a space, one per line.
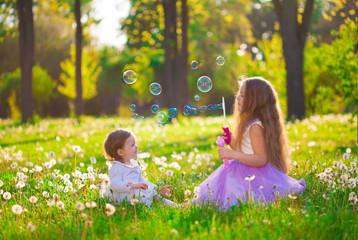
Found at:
[226, 187]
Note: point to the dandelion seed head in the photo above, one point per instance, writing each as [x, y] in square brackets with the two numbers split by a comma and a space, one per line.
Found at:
[6, 195]
[33, 199]
[17, 209]
[31, 227]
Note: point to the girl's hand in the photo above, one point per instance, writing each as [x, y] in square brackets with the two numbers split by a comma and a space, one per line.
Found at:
[225, 153]
[165, 191]
[139, 185]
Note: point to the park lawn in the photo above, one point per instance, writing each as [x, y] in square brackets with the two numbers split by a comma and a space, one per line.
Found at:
[42, 158]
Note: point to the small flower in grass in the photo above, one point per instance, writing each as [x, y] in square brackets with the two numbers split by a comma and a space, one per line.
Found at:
[76, 148]
[51, 154]
[292, 196]
[33, 199]
[174, 231]
[260, 187]
[51, 202]
[169, 173]
[134, 201]
[266, 221]
[187, 193]
[80, 206]
[60, 204]
[93, 160]
[1, 191]
[91, 204]
[45, 194]
[89, 223]
[6, 195]
[197, 190]
[31, 227]
[84, 215]
[110, 209]
[17, 209]
[250, 178]
[325, 196]
[20, 184]
[55, 196]
[1, 183]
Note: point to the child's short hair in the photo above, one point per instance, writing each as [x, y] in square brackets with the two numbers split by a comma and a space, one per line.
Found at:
[115, 140]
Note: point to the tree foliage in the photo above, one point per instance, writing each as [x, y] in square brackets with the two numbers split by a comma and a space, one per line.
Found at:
[90, 69]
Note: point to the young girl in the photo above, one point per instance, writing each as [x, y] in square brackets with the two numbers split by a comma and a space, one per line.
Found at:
[259, 160]
[126, 180]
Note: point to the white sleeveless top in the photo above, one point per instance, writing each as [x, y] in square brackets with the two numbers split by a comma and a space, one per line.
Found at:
[246, 141]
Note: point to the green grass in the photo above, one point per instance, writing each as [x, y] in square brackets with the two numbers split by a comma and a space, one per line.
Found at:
[324, 211]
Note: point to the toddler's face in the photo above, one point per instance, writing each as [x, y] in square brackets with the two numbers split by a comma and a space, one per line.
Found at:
[240, 97]
[130, 148]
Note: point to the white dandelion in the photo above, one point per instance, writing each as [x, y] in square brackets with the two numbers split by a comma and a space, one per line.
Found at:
[31, 227]
[76, 148]
[6, 195]
[80, 206]
[45, 194]
[33, 199]
[110, 209]
[17, 209]
[60, 204]
[250, 178]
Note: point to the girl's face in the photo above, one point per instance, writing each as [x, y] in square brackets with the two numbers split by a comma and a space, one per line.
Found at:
[129, 150]
[240, 97]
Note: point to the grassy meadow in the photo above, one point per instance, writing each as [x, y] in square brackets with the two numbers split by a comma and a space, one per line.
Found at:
[53, 172]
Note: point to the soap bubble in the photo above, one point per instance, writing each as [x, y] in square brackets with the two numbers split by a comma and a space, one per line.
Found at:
[129, 76]
[189, 110]
[203, 109]
[212, 107]
[162, 117]
[204, 84]
[194, 64]
[155, 108]
[220, 60]
[132, 107]
[197, 97]
[135, 116]
[172, 112]
[155, 88]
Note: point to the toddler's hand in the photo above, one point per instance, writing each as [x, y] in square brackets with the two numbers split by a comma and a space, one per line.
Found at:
[165, 191]
[139, 185]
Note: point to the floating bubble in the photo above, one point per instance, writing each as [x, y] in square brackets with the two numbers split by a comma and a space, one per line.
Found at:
[190, 110]
[155, 88]
[194, 64]
[204, 84]
[155, 108]
[135, 116]
[129, 76]
[219, 106]
[132, 107]
[186, 110]
[141, 117]
[203, 109]
[220, 60]
[197, 97]
[172, 112]
[162, 117]
[212, 107]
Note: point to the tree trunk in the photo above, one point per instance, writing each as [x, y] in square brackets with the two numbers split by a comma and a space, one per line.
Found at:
[183, 58]
[27, 49]
[79, 99]
[170, 47]
[293, 36]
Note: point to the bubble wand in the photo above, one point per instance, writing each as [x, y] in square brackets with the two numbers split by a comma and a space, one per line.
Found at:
[220, 141]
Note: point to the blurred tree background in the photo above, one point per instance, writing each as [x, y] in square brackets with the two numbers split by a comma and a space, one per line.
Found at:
[245, 32]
